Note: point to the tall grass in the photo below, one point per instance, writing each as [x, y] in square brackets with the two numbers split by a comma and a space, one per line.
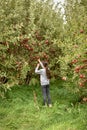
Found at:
[21, 110]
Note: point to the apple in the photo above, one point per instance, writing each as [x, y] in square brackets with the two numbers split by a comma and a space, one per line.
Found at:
[77, 71]
[74, 61]
[64, 78]
[85, 99]
[77, 68]
[24, 41]
[26, 45]
[47, 42]
[81, 84]
[82, 76]
[84, 60]
[84, 66]
[81, 31]
[31, 49]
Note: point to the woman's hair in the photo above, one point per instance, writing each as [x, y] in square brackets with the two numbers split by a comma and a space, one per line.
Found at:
[47, 70]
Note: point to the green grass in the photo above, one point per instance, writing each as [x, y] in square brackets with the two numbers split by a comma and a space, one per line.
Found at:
[19, 111]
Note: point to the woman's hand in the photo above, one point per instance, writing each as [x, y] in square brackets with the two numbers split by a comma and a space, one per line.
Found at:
[41, 64]
[39, 60]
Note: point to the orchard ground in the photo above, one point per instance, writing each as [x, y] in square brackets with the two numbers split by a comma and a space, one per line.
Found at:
[22, 109]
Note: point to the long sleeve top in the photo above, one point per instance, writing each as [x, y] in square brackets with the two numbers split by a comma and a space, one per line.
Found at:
[43, 78]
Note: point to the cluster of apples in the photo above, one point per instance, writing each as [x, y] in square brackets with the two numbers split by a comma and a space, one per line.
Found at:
[24, 43]
[81, 70]
[38, 36]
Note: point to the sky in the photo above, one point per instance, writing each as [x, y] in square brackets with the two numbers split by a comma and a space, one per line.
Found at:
[62, 9]
[62, 1]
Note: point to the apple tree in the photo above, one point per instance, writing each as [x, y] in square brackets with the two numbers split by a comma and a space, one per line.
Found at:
[73, 62]
[29, 29]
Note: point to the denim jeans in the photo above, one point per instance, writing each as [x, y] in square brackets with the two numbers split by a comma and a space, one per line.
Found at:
[46, 94]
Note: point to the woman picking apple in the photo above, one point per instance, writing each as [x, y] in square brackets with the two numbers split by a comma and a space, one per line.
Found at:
[44, 80]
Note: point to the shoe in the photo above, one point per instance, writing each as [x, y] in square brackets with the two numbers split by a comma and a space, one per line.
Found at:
[44, 105]
[50, 105]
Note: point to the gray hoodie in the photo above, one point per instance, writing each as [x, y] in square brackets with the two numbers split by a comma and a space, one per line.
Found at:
[43, 78]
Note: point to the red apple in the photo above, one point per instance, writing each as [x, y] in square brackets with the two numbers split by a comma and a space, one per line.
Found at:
[31, 49]
[77, 68]
[47, 42]
[85, 99]
[82, 76]
[74, 61]
[64, 78]
[84, 60]
[81, 31]
[81, 84]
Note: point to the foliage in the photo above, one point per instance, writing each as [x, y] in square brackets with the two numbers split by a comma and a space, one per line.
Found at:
[27, 32]
[32, 29]
[73, 62]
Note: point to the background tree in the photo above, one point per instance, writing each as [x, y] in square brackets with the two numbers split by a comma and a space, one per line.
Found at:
[28, 30]
[73, 62]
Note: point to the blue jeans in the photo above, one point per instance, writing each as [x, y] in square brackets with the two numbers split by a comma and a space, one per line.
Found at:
[46, 94]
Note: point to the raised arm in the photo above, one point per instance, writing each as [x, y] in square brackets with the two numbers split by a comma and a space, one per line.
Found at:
[37, 69]
[41, 63]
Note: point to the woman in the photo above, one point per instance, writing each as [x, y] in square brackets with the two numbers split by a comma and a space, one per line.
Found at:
[44, 80]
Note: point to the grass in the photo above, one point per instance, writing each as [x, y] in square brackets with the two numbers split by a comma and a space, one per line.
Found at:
[19, 111]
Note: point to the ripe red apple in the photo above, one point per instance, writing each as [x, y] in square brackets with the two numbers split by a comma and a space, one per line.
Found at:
[84, 66]
[74, 61]
[85, 99]
[31, 49]
[47, 42]
[81, 31]
[26, 45]
[84, 60]
[82, 76]
[81, 84]
[24, 41]
[64, 78]
[77, 69]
